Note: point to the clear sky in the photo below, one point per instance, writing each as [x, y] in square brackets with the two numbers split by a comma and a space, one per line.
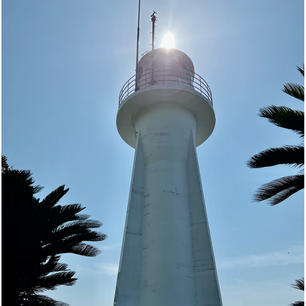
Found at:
[64, 62]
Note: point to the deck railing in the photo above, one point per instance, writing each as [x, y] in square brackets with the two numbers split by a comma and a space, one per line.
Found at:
[165, 76]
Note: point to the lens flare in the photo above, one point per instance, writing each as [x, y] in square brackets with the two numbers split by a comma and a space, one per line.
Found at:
[168, 41]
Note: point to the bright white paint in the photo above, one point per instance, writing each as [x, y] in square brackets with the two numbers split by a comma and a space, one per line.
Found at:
[167, 257]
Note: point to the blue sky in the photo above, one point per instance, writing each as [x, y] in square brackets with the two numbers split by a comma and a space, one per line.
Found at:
[64, 63]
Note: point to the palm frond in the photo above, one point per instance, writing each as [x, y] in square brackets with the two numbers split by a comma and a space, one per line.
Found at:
[301, 70]
[52, 265]
[85, 250]
[73, 248]
[75, 226]
[69, 212]
[80, 229]
[283, 195]
[38, 300]
[83, 216]
[52, 198]
[280, 189]
[72, 244]
[294, 90]
[298, 303]
[284, 117]
[21, 178]
[42, 300]
[49, 282]
[43, 230]
[58, 215]
[75, 238]
[291, 155]
[299, 284]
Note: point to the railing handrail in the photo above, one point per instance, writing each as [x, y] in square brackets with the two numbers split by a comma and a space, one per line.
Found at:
[183, 76]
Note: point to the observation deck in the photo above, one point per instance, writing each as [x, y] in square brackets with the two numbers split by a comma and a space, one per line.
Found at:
[165, 76]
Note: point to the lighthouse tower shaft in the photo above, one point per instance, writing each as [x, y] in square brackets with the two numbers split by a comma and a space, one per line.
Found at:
[167, 257]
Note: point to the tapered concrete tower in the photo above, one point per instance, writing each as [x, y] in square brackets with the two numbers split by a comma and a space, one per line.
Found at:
[167, 257]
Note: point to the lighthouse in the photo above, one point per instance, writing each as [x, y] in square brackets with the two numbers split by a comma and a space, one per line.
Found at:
[165, 112]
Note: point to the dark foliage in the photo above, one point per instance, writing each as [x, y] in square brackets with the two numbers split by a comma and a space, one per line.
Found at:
[280, 189]
[290, 155]
[285, 117]
[299, 284]
[34, 234]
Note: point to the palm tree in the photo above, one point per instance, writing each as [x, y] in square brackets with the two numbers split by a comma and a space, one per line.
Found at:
[299, 284]
[285, 117]
[35, 233]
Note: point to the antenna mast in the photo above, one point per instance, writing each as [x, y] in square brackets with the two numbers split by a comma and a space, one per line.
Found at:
[137, 46]
[153, 19]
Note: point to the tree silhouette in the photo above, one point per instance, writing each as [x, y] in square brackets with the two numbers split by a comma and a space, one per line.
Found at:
[299, 284]
[285, 117]
[282, 188]
[34, 234]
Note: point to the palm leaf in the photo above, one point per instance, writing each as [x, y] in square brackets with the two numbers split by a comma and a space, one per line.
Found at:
[294, 90]
[52, 198]
[280, 189]
[42, 300]
[75, 228]
[38, 300]
[283, 195]
[74, 248]
[301, 70]
[75, 238]
[58, 215]
[298, 303]
[52, 265]
[69, 213]
[85, 250]
[299, 284]
[80, 224]
[49, 282]
[292, 155]
[43, 230]
[72, 244]
[284, 117]
[16, 178]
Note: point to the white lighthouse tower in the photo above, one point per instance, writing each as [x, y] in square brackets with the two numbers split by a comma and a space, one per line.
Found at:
[167, 257]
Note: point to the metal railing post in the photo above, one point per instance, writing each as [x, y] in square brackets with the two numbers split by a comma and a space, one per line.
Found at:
[187, 77]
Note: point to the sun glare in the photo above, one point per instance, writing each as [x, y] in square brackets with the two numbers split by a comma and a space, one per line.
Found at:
[168, 41]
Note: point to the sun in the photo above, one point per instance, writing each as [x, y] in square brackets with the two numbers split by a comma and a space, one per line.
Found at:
[168, 41]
